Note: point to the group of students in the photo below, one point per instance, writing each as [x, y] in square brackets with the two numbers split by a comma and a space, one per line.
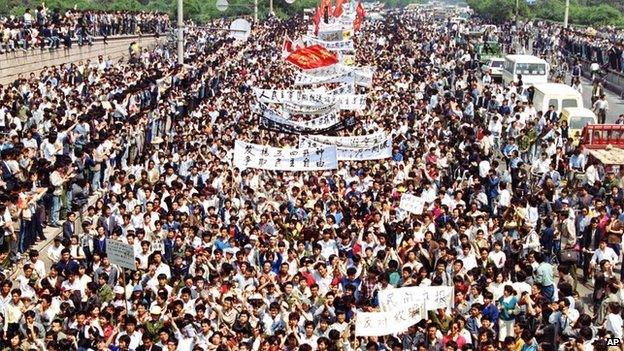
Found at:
[247, 259]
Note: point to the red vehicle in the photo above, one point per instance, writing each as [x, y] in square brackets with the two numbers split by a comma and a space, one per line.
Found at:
[598, 136]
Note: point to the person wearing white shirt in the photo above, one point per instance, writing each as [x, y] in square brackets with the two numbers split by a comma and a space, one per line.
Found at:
[467, 257]
[604, 253]
[497, 256]
[308, 337]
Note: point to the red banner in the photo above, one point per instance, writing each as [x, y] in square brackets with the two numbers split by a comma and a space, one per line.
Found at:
[359, 17]
[315, 56]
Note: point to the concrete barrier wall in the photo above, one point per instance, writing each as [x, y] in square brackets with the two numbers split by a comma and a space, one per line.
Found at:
[12, 64]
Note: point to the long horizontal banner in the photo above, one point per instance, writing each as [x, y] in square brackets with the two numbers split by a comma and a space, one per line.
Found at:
[274, 122]
[322, 122]
[298, 109]
[389, 322]
[248, 155]
[354, 76]
[358, 141]
[343, 45]
[301, 96]
[339, 70]
[433, 297]
[311, 98]
[380, 151]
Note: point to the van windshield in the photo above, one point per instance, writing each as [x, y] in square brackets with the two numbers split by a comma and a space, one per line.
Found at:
[580, 122]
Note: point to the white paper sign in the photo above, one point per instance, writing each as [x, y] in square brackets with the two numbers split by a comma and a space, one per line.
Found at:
[247, 155]
[321, 122]
[121, 254]
[358, 141]
[412, 204]
[375, 152]
[389, 322]
[433, 297]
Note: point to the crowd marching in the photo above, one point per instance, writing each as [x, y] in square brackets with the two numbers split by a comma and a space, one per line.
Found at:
[477, 195]
[42, 29]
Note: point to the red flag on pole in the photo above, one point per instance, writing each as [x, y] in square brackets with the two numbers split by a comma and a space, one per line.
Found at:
[359, 17]
[317, 20]
[338, 8]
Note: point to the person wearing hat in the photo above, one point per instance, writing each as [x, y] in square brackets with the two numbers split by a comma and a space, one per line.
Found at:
[155, 322]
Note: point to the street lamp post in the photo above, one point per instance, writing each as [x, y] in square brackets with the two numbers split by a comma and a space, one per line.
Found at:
[180, 32]
[567, 14]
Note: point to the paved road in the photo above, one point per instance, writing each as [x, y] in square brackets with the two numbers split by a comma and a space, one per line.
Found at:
[616, 104]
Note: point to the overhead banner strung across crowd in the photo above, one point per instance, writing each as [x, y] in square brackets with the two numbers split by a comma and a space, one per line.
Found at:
[312, 99]
[297, 109]
[248, 155]
[336, 74]
[359, 141]
[323, 122]
[375, 152]
[272, 121]
[389, 322]
[433, 297]
[279, 96]
[412, 204]
[342, 45]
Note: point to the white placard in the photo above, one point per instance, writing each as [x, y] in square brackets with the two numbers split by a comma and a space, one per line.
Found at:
[378, 151]
[389, 322]
[357, 141]
[121, 254]
[321, 122]
[247, 155]
[412, 204]
[433, 297]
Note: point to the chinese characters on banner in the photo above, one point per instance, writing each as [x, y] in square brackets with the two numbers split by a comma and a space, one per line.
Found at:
[412, 204]
[359, 141]
[433, 297]
[314, 98]
[270, 120]
[247, 155]
[342, 74]
[343, 45]
[389, 322]
[378, 151]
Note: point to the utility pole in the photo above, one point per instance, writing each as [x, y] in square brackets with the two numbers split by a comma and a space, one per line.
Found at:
[517, 7]
[567, 14]
[271, 7]
[256, 11]
[180, 32]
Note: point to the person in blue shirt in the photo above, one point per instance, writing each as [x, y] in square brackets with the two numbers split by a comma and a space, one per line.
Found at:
[490, 311]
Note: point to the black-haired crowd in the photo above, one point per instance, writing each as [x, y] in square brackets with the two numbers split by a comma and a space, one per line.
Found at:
[231, 259]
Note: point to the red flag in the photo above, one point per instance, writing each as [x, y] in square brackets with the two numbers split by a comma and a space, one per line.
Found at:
[317, 20]
[287, 47]
[315, 56]
[325, 5]
[359, 17]
[338, 8]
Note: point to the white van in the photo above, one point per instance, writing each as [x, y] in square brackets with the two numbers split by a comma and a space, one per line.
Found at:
[533, 69]
[559, 95]
[577, 118]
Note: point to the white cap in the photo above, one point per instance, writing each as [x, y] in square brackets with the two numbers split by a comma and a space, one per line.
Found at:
[118, 289]
[155, 310]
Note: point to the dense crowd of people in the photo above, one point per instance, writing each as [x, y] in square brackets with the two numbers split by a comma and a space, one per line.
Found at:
[231, 259]
[42, 28]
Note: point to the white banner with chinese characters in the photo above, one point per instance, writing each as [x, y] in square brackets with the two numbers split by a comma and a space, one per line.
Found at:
[377, 151]
[412, 204]
[389, 322]
[342, 45]
[343, 97]
[433, 297]
[357, 141]
[321, 122]
[247, 155]
[297, 109]
[362, 76]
